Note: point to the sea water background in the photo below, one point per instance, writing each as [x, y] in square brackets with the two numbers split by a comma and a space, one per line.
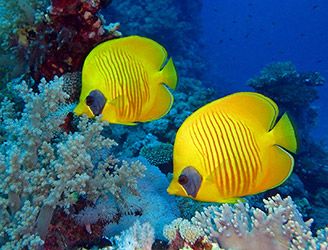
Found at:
[240, 37]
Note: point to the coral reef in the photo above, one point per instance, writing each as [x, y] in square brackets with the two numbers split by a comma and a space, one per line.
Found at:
[90, 224]
[158, 154]
[64, 231]
[136, 237]
[16, 15]
[66, 185]
[60, 39]
[182, 233]
[242, 227]
[42, 167]
[154, 205]
[279, 82]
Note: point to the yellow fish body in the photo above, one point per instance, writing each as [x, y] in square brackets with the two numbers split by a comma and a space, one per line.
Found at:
[125, 80]
[232, 147]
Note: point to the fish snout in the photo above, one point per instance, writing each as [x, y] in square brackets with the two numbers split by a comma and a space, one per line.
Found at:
[172, 189]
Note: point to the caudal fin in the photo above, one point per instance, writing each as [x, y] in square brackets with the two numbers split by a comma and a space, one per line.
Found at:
[285, 134]
[169, 74]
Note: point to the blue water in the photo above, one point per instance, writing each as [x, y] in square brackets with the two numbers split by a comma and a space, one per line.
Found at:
[241, 37]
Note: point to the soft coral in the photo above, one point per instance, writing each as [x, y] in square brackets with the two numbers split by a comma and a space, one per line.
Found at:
[65, 233]
[60, 41]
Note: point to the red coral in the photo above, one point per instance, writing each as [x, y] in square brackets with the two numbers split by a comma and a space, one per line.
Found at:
[67, 126]
[60, 42]
[65, 233]
[179, 243]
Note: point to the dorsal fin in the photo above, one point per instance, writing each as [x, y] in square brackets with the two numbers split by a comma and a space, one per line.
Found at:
[249, 106]
[147, 50]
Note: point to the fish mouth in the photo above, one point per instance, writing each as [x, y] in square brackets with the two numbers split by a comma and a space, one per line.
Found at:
[176, 189]
[171, 189]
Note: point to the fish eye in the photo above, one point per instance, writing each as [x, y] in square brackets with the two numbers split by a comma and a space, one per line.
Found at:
[183, 179]
[89, 100]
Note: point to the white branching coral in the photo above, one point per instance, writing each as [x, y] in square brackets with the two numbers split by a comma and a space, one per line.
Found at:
[139, 236]
[42, 167]
[188, 232]
[242, 227]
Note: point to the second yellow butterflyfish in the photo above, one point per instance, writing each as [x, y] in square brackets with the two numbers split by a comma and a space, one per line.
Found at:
[126, 80]
[232, 147]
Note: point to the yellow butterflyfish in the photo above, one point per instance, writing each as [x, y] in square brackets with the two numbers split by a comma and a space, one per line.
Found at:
[125, 80]
[232, 147]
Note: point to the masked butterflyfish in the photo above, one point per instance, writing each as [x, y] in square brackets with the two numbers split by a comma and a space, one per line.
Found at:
[126, 80]
[232, 147]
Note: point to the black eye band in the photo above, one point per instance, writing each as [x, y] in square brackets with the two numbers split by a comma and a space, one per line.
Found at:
[183, 179]
[89, 100]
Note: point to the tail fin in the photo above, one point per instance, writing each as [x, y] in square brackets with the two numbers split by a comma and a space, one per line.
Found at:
[285, 134]
[169, 74]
